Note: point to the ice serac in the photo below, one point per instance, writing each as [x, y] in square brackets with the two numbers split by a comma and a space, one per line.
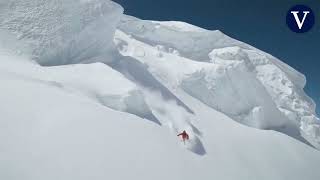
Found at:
[61, 31]
[233, 89]
[191, 41]
[89, 117]
[247, 84]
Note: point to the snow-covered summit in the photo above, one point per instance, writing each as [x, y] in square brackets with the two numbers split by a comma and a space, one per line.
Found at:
[89, 93]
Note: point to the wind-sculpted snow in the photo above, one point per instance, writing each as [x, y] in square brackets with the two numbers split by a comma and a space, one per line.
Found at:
[235, 92]
[284, 86]
[97, 82]
[246, 84]
[191, 43]
[61, 31]
[287, 92]
[102, 84]
[220, 86]
[113, 107]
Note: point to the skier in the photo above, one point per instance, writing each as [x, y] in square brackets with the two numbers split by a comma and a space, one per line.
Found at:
[184, 135]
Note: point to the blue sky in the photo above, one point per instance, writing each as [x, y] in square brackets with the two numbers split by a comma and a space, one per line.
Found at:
[259, 23]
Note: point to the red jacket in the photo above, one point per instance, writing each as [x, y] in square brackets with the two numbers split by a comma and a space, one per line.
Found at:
[184, 135]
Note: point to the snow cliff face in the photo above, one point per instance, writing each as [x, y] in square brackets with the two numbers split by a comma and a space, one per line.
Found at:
[88, 92]
[61, 32]
[250, 86]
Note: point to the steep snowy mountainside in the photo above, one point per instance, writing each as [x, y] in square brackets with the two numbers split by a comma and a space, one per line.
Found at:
[51, 132]
[205, 81]
[89, 93]
[61, 32]
[241, 81]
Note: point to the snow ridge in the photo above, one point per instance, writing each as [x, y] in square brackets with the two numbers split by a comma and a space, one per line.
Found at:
[86, 92]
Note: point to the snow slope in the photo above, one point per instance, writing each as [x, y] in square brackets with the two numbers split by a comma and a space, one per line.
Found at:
[48, 132]
[113, 106]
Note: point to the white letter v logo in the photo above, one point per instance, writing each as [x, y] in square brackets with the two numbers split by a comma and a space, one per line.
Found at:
[295, 14]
